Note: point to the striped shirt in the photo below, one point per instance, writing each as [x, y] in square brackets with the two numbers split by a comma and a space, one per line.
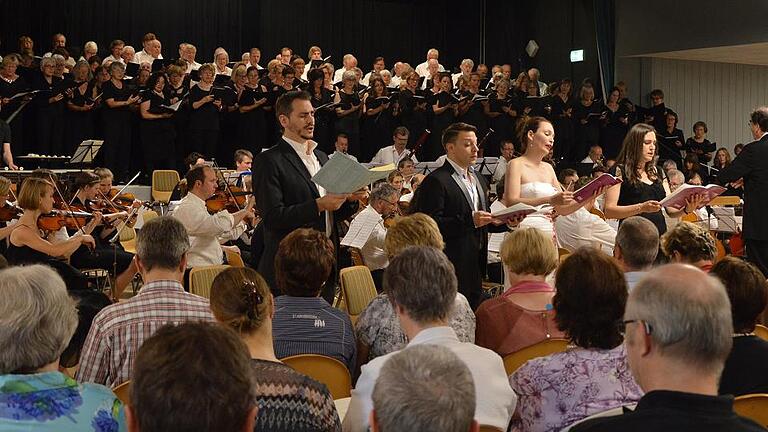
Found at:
[309, 325]
[119, 330]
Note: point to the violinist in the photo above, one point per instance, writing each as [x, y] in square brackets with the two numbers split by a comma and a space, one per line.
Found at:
[103, 226]
[382, 203]
[395, 179]
[27, 244]
[407, 168]
[207, 231]
[396, 152]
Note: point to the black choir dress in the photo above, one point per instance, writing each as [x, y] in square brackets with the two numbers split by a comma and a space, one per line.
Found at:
[117, 129]
[700, 149]
[324, 118]
[158, 136]
[8, 89]
[614, 129]
[180, 120]
[565, 141]
[203, 123]
[411, 117]
[434, 149]
[503, 124]
[587, 134]
[251, 125]
[377, 128]
[666, 142]
[350, 123]
[475, 115]
[49, 117]
[79, 124]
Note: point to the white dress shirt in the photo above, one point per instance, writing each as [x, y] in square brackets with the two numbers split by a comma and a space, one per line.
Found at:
[313, 166]
[192, 66]
[374, 255]
[495, 399]
[389, 155]
[143, 56]
[395, 81]
[338, 75]
[501, 170]
[205, 230]
[366, 79]
[423, 69]
[468, 182]
[113, 59]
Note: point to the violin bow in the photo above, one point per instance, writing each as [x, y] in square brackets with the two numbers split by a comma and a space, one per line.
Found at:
[69, 209]
[226, 183]
[485, 137]
[126, 186]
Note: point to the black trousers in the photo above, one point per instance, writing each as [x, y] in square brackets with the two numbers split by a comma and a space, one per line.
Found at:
[757, 253]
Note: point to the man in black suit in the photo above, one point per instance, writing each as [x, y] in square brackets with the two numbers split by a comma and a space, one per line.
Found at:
[286, 197]
[457, 199]
[750, 169]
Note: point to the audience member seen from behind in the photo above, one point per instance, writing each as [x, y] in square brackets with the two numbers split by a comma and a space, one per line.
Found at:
[637, 245]
[377, 328]
[746, 369]
[678, 335]
[37, 320]
[523, 315]
[192, 377]
[287, 399]
[593, 376]
[304, 323]
[689, 243]
[422, 286]
[423, 388]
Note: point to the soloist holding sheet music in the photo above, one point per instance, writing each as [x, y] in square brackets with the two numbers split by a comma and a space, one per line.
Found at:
[285, 194]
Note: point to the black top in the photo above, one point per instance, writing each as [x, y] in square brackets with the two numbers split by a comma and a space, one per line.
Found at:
[667, 143]
[639, 192]
[5, 132]
[701, 149]
[25, 255]
[156, 103]
[746, 370]
[751, 165]
[663, 410]
[110, 91]
[206, 117]
[291, 401]
[9, 89]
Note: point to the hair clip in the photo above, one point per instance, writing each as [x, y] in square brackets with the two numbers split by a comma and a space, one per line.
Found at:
[252, 298]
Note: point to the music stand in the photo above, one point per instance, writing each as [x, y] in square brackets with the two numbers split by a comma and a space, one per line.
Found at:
[86, 152]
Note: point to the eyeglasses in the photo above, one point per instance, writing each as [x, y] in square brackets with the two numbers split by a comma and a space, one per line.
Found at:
[646, 324]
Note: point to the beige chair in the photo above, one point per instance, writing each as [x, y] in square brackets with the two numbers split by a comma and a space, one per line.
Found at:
[357, 288]
[563, 253]
[149, 215]
[327, 370]
[761, 331]
[234, 259]
[201, 279]
[163, 183]
[122, 391]
[753, 406]
[128, 239]
[513, 361]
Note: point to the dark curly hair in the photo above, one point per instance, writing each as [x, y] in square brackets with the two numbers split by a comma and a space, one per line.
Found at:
[591, 293]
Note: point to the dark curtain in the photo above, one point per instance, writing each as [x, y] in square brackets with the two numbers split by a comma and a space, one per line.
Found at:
[605, 28]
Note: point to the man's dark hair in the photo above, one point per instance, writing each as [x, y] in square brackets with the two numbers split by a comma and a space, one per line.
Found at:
[288, 70]
[657, 92]
[197, 173]
[452, 131]
[192, 158]
[303, 262]
[566, 172]
[192, 377]
[241, 154]
[341, 135]
[759, 117]
[747, 290]
[284, 105]
[401, 131]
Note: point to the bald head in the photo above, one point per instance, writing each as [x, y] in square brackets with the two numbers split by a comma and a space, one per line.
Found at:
[689, 315]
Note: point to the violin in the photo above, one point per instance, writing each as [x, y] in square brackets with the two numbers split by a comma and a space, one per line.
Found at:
[9, 212]
[124, 199]
[232, 200]
[56, 219]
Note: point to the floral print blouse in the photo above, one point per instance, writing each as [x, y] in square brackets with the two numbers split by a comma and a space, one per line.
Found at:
[52, 401]
[378, 327]
[560, 389]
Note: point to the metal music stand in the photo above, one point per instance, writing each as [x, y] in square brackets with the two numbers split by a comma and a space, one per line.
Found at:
[86, 152]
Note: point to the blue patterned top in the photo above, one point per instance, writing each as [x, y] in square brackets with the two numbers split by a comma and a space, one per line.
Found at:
[52, 401]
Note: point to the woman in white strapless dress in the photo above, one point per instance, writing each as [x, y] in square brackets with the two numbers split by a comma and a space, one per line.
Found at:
[531, 180]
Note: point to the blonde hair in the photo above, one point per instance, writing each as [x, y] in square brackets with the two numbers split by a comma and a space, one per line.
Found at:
[529, 251]
[32, 191]
[5, 185]
[417, 229]
[104, 173]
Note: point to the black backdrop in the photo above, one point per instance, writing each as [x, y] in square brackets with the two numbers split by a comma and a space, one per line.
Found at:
[493, 31]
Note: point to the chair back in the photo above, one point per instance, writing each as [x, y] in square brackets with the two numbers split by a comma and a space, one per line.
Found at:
[201, 279]
[163, 183]
[149, 215]
[128, 239]
[327, 370]
[562, 253]
[597, 212]
[357, 288]
[761, 331]
[123, 392]
[544, 348]
[753, 406]
[234, 259]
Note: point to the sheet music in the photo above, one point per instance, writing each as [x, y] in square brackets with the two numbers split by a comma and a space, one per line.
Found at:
[494, 241]
[342, 175]
[360, 229]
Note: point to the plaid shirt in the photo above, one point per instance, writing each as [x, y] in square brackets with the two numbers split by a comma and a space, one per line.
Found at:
[119, 330]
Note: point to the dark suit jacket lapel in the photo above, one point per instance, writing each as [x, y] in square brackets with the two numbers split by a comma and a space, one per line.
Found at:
[290, 155]
[459, 183]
